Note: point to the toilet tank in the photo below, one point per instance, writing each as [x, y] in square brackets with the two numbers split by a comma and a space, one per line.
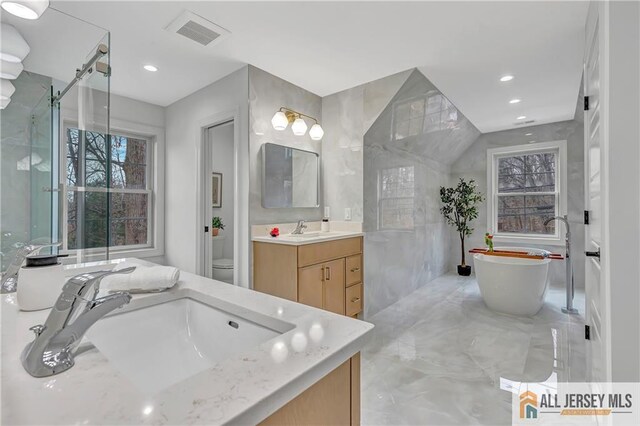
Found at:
[217, 247]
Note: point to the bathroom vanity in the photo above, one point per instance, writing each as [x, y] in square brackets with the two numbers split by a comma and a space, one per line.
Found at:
[323, 270]
[203, 352]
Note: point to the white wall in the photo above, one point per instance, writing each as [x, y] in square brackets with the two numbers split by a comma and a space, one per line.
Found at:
[185, 120]
[623, 133]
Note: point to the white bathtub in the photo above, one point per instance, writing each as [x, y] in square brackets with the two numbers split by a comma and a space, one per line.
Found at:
[512, 285]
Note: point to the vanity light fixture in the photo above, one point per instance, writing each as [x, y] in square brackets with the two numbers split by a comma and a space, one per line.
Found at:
[284, 116]
[14, 48]
[6, 89]
[299, 127]
[505, 78]
[316, 133]
[27, 9]
[514, 101]
[10, 70]
[151, 68]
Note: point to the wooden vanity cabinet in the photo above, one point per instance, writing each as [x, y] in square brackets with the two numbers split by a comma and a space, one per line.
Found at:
[326, 275]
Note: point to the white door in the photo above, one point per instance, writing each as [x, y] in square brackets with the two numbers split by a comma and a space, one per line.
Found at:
[598, 358]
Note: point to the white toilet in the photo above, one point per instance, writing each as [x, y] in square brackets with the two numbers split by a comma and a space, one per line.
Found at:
[222, 268]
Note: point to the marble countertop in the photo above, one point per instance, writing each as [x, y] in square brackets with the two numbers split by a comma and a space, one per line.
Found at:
[243, 389]
[309, 238]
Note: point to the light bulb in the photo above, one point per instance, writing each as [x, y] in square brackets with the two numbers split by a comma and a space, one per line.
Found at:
[10, 70]
[27, 9]
[299, 127]
[6, 89]
[279, 121]
[14, 48]
[316, 133]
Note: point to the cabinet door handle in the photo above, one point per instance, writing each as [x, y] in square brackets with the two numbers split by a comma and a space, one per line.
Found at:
[355, 299]
[328, 273]
[355, 269]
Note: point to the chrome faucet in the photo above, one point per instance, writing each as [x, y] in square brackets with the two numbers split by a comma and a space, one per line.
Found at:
[75, 311]
[300, 227]
[569, 309]
[9, 282]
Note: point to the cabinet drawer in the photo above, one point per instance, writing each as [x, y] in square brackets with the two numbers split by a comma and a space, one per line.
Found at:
[354, 299]
[354, 270]
[310, 254]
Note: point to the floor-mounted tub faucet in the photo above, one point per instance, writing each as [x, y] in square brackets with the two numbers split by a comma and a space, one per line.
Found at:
[75, 311]
[569, 309]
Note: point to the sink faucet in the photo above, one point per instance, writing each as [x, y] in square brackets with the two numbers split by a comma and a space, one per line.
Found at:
[74, 312]
[300, 227]
[9, 282]
[569, 309]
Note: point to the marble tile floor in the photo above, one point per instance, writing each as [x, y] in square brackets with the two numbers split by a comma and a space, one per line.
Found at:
[439, 356]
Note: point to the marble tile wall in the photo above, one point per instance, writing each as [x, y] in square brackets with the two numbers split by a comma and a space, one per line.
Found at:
[473, 164]
[267, 93]
[407, 243]
[347, 116]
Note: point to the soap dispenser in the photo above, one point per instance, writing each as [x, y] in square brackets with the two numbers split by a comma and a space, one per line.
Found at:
[40, 282]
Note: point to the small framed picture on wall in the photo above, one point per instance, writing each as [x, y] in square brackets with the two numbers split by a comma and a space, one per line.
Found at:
[216, 190]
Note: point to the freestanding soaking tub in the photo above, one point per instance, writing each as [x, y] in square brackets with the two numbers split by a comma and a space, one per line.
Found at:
[512, 285]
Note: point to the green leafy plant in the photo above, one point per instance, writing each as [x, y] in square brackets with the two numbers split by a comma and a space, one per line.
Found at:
[459, 208]
[216, 223]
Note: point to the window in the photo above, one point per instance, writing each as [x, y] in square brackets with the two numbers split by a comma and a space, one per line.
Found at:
[395, 198]
[527, 186]
[110, 189]
[424, 114]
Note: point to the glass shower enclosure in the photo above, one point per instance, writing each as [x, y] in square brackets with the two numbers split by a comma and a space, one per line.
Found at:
[56, 155]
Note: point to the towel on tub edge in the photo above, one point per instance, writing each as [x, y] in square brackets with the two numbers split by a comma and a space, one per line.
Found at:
[143, 279]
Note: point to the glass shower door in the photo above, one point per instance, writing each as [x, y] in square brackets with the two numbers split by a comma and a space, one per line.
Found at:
[87, 175]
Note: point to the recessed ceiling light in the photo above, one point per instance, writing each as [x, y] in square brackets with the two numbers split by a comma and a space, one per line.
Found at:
[528, 134]
[151, 68]
[532, 141]
[521, 117]
[506, 78]
[27, 9]
[514, 101]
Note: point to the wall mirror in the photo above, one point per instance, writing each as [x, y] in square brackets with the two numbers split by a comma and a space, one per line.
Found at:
[290, 177]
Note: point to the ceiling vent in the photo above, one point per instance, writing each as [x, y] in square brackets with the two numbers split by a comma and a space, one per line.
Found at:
[198, 29]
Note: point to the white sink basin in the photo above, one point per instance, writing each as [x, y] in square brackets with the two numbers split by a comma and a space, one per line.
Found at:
[313, 235]
[163, 344]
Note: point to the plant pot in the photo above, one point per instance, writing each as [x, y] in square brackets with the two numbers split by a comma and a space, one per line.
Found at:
[214, 232]
[465, 270]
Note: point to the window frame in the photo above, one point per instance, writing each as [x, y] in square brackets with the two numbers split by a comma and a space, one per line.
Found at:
[493, 155]
[381, 199]
[154, 245]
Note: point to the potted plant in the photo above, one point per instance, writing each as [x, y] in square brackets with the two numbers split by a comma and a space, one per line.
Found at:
[216, 225]
[459, 208]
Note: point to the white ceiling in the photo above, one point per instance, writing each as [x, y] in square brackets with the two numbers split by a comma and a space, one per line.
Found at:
[462, 47]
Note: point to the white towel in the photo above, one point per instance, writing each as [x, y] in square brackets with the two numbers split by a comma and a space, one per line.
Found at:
[143, 279]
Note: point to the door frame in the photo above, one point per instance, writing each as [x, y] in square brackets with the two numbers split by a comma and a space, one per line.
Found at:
[240, 246]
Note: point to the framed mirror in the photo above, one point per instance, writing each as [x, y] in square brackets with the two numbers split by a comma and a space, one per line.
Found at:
[290, 177]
